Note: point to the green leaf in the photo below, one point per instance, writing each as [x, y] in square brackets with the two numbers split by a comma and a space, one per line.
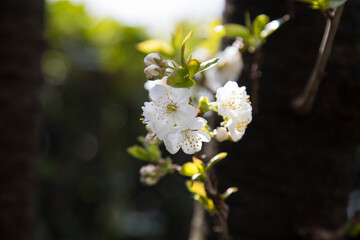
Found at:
[324, 4]
[139, 152]
[186, 84]
[199, 164]
[155, 45]
[236, 30]
[155, 152]
[259, 24]
[198, 176]
[215, 159]
[193, 67]
[228, 192]
[208, 64]
[183, 45]
[206, 202]
[177, 76]
[189, 169]
[334, 3]
[273, 26]
[196, 187]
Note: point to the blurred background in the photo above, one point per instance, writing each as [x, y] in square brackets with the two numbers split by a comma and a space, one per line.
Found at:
[92, 97]
[71, 72]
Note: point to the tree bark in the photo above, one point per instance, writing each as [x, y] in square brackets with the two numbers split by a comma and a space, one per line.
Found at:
[21, 44]
[295, 172]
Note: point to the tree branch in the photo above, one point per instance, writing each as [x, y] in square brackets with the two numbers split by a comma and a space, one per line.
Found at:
[303, 104]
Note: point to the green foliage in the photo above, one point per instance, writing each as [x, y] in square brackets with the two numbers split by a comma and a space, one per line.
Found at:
[194, 169]
[139, 152]
[228, 192]
[253, 34]
[215, 160]
[324, 4]
[182, 76]
[149, 152]
[93, 87]
[197, 188]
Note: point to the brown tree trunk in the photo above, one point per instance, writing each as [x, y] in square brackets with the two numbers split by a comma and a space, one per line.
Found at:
[295, 171]
[21, 44]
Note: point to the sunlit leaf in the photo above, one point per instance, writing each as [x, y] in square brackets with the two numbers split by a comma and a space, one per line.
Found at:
[208, 64]
[189, 169]
[193, 67]
[234, 30]
[228, 192]
[324, 4]
[206, 202]
[199, 164]
[215, 159]
[334, 3]
[196, 187]
[183, 45]
[156, 45]
[139, 152]
[273, 26]
[259, 24]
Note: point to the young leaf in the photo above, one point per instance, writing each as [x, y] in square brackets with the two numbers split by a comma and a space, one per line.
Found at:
[139, 152]
[199, 164]
[215, 159]
[183, 45]
[193, 67]
[273, 26]
[199, 177]
[186, 84]
[228, 192]
[196, 187]
[177, 76]
[235, 30]
[334, 3]
[208, 64]
[189, 169]
[206, 202]
[155, 45]
[259, 24]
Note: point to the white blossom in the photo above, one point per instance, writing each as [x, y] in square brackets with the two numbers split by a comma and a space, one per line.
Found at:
[237, 127]
[234, 106]
[233, 101]
[168, 109]
[152, 83]
[189, 139]
[220, 134]
[228, 68]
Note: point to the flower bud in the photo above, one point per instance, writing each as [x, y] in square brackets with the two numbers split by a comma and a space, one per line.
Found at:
[154, 58]
[221, 134]
[150, 174]
[154, 72]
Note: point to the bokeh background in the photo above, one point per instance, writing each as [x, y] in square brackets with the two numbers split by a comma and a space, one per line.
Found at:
[92, 97]
[72, 74]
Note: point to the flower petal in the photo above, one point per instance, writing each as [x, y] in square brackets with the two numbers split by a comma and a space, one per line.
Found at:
[157, 91]
[171, 142]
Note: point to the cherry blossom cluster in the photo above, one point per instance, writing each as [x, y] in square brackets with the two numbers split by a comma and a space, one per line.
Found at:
[171, 116]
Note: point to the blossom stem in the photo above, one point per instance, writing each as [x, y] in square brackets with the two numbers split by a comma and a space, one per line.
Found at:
[303, 104]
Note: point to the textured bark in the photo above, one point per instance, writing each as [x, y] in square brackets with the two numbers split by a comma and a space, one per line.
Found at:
[21, 25]
[294, 171]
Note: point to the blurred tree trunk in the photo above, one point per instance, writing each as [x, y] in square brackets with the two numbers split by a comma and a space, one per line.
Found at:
[296, 171]
[21, 44]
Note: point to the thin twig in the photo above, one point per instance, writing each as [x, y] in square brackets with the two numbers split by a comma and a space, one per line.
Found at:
[303, 104]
